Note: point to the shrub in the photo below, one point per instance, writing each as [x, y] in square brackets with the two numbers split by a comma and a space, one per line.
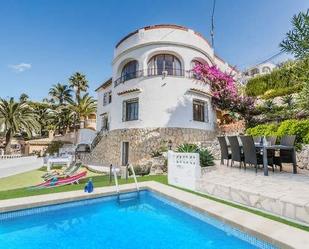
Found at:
[306, 139]
[206, 158]
[300, 128]
[289, 76]
[263, 130]
[54, 147]
[187, 148]
[282, 91]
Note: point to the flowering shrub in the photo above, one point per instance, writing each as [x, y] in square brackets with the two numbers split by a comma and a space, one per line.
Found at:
[224, 90]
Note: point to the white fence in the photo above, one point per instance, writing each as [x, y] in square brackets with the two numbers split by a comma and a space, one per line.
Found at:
[9, 156]
[183, 169]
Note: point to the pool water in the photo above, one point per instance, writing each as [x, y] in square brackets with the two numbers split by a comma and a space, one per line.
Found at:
[150, 221]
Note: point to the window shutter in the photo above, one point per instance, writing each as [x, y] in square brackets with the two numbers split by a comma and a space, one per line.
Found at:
[206, 112]
[104, 99]
[124, 111]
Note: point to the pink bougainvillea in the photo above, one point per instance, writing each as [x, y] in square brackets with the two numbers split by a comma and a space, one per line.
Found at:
[224, 89]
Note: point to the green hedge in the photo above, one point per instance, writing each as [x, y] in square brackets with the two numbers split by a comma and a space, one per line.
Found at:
[282, 91]
[300, 128]
[287, 76]
[263, 130]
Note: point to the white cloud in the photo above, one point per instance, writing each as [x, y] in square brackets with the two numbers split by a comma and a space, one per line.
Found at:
[21, 67]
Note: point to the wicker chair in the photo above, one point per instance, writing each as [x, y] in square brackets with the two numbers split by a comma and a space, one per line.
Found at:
[286, 156]
[271, 139]
[237, 155]
[225, 155]
[251, 155]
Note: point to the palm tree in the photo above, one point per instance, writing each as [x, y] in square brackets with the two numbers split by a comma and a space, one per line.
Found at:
[60, 93]
[82, 109]
[23, 97]
[79, 83]
[297, 39]
[16, 117]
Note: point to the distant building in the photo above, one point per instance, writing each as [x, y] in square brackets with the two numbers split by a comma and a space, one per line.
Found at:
[257, 70]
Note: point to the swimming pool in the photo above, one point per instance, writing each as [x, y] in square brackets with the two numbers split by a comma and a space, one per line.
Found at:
[151, 221]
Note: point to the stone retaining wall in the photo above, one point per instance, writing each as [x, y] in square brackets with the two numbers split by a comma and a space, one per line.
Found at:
[142, 142]
[303, 158]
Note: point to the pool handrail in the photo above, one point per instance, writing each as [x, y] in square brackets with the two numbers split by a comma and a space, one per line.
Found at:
[134, 176]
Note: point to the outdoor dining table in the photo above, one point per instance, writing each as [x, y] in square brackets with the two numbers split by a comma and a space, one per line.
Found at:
[264, 148]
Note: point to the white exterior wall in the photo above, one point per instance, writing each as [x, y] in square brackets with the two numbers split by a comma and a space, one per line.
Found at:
[102, 109]
[163, 102]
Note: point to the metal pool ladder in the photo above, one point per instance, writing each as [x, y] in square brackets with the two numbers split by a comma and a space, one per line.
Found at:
[114, 171]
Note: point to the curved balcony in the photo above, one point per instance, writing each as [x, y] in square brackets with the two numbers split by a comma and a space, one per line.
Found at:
[153, 72]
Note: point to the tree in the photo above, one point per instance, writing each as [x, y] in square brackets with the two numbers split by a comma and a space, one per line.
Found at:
[297, 39]
[79, 83]
[225, 94]
[60, 93]
[23, 97]
[61, 119]
[80, 110]
[303, 97]
[16, 117]
[43, 111]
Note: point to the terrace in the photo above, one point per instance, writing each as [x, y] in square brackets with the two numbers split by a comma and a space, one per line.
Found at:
[281, 193]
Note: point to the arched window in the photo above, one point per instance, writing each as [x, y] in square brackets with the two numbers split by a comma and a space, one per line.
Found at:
[129, 71]
[266, 70]
[164, 63]
[254, 71]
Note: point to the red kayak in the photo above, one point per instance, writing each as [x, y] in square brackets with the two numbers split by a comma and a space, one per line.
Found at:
[61, 181]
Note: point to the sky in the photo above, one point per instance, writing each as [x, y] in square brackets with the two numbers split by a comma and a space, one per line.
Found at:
[43, 42]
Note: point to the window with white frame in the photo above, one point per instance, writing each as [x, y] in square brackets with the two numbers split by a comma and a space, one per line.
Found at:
[107, 98]
[164, 63]
[200, 111]
[130, 110]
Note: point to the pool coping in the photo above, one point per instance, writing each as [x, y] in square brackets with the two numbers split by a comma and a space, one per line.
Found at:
[274, 232]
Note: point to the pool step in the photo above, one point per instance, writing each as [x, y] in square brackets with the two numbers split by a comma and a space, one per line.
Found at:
[128, 197]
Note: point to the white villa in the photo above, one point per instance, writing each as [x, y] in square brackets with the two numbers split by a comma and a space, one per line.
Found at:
[153, 98]
[260, 69]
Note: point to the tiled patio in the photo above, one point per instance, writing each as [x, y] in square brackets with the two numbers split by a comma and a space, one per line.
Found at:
[281, 193]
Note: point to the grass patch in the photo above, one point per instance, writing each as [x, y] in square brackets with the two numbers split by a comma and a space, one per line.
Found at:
[101, 181]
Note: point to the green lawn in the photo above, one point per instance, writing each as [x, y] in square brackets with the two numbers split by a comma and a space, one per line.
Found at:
[26, 179]
[101, 181]
[16, 187]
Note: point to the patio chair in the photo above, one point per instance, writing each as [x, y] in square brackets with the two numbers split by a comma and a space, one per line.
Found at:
[251, 155]
[237, 155]
[286, 156]
[271, 139]
[225, 155]
[68, 173]
[257, 139]
[55, 173]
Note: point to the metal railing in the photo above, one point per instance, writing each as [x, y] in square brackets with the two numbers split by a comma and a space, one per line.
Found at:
[99, 136]
[128, 76]
[114, 171]
[134, 176]
[166, 72]
[151, 72]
